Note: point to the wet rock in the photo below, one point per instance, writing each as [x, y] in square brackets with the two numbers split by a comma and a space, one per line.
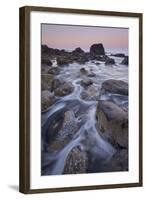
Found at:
[78, 51]
[112, 112]
[68, 129]
[46, 81]
[91, 74]
[118, 162]
[97, 63]
[54, 70]
[120, 100]
[97, 49]
[81, 60]
[47, 99]
[46, 61]
[51, 52]
[113, 123]
[115, 86]
[56, 83]
[125, 61]
[46, 56]
[44, 69]
[79, 56]
[76, 162]
[64, 60]
[83, 71]
[120, 55]
[46, 50]
[64, 89]
[60, 130]
[91, 93]
[51, 128]
[87, 56]
[110, 61]
[86, 82]
[102, 58]
[63, 52]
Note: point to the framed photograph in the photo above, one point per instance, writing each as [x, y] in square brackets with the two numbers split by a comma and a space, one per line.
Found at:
[80, 99]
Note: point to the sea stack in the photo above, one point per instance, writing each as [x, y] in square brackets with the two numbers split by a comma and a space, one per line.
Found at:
[97, 50]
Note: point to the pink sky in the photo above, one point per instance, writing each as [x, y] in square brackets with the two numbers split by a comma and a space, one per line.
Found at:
[70, 37]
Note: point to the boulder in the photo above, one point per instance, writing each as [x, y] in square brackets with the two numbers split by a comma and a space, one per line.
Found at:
[63, 52]
[118, 162]
[47, 99]
[56, 83]
[91, 93]
[83, 71]
[78, 51]
[51, 128]
[45, 50]
[81, 59]
[53, 70]
[125, 61]
[109, 61]
[87, 56]
[86, 82]
[66, 130]
[64, 60]
[76, 162]
[91, 74]
[113, 123]
[64, 89]
[46, 61]
[120, 100]
[112, 112]
[46, 81]
[115, 87]
[79, 56]
[44, 68]
[97, 49]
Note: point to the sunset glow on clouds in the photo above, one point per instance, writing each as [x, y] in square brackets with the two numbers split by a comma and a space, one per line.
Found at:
[70, 37]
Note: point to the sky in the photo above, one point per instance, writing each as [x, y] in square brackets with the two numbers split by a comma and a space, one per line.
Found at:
[70, 37]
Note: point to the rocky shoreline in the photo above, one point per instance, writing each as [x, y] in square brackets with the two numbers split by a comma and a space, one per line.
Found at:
[84, 111]
[63, 57]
